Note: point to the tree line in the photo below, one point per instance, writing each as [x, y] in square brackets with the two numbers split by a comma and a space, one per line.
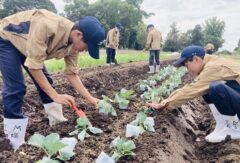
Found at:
[130, 15]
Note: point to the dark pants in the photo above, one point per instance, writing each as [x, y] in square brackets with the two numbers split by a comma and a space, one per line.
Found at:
[226, 97]
[14, 89]
[111, 55]
[154, 54]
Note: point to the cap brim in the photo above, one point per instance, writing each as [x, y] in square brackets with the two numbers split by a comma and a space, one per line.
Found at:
[93, 50]
[179, 62]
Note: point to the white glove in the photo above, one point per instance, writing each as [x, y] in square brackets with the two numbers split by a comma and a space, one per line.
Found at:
[54, 111]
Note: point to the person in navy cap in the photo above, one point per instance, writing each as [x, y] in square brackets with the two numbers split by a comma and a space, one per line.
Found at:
[29, 38]
[217, 80]
[112, 43]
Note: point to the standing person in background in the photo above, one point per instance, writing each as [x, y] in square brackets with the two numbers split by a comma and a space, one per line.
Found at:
[29, 38]
[113, 43]
[209, 48]
[153, 44]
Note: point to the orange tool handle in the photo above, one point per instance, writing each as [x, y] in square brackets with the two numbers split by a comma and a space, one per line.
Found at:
[79, 112]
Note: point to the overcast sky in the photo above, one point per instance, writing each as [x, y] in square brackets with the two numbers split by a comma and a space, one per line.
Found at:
[188, 13]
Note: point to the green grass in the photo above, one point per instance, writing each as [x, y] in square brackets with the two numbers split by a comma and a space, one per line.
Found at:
[234, 57]
[122, 56]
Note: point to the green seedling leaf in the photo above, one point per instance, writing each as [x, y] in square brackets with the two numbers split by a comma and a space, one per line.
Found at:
[121, 147]
[152, 83]
[83, 128]
[65, 154]
[51, 144]
[54, 147]
[124, 93]
[148, 124]
[128, 146]
[75, 132]
[106, 108]
[107, 99]
[141, 117]
[116, 156]
[123, 103]
[143, 85]
[95, 130]
[82, 122]
[82, 135]
[145, 123]
[37, 140]
[149, 110]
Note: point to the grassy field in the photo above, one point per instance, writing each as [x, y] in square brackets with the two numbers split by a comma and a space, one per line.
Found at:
[123, 56]
[234, 57]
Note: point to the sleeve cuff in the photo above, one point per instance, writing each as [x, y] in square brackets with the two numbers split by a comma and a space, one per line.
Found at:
[33, 63]
[71, 71]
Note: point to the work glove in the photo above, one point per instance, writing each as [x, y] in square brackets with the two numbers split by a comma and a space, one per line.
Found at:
[54, 112]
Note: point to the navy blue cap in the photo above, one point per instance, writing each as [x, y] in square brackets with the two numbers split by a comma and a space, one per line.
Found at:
[149, 26]
[93, 34]
[119, 26]
[188, 53]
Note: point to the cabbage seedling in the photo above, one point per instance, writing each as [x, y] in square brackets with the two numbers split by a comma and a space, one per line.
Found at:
[105, 107]
[146, 123]
[52, 146]
[122, 98]
[83, 129]
[121, 147]
[143, 85]
[153, 95]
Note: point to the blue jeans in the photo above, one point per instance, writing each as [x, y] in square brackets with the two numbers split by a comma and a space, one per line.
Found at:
[226, 97]
[111, 55]
[14, 89]
[154, 54]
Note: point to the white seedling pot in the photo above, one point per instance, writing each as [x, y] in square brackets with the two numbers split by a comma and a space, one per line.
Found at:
[70, 142]
[104, 158]
[132, 131]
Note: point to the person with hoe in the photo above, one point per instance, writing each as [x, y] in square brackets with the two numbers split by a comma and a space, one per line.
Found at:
[218, 81]
[29, 38]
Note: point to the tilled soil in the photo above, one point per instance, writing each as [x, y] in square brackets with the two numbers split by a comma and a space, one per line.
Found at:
[179, 135]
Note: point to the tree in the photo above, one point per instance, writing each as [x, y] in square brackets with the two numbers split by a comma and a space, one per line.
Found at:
[172, 40]
[185, 39]
[76, 9]
[109, 12]
[141, 36]
[197, 36]
[213, 31]
[237, 49]
[10, 7]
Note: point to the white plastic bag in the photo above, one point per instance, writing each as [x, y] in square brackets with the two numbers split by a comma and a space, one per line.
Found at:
[133, 131]
[104, 158]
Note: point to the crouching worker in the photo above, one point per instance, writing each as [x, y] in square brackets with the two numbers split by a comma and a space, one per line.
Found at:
[217, 80]
[29, 38]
